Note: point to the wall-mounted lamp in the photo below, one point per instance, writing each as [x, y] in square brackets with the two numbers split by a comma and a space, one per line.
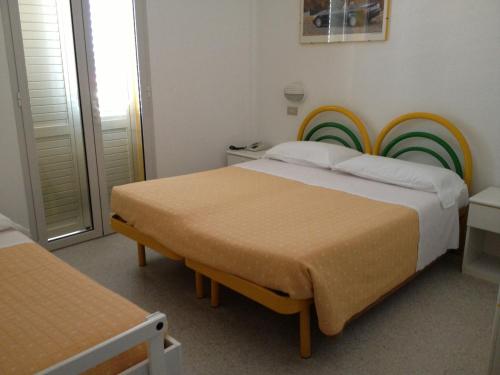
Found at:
[294, 92]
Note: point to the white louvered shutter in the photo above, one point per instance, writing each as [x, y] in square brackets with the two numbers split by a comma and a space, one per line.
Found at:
[56, 116]
[118, 153]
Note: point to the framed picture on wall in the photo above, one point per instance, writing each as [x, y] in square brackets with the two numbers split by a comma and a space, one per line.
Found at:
[332, 21]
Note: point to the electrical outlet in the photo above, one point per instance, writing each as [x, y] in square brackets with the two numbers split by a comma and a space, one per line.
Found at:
[292, 111]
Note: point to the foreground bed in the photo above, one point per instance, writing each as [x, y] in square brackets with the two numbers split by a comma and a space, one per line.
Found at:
[288, 236]
[54, 320]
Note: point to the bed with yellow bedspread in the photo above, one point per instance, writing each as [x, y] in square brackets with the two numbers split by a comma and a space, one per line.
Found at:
[50, 312]
[343, 250]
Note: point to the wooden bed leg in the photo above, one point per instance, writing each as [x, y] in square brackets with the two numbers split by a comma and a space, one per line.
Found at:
[199, 285]
[214, 293]
[141, 254]
[305, 332]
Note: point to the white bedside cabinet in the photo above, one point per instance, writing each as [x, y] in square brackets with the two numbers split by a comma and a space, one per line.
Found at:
[241, 156]
[482, 247]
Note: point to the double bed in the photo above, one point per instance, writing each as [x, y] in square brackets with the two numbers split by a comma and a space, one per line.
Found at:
[290, 236]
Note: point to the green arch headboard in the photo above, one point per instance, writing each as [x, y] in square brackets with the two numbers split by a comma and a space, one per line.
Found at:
[463, 170]
[341, 133]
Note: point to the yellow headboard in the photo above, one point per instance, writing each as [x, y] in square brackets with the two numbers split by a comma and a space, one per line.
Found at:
[465, 170]
[360, 141]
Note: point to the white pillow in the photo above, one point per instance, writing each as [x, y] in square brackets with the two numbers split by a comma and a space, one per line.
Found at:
[311, 154]
[447, 184]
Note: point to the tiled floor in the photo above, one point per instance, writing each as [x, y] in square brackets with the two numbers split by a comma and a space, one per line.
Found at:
[438, 324]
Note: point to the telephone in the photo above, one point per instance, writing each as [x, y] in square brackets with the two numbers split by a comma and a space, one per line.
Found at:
[257, 146]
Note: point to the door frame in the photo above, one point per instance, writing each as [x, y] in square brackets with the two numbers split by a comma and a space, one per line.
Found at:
[23, 99]
[145, 97]
[26, 139]
[145, 89]
[20, 94]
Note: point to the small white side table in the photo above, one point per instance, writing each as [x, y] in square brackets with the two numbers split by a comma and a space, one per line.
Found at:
[482, 246]
[241, 156]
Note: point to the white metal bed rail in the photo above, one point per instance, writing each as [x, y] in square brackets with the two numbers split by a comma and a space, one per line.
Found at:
[151, 331]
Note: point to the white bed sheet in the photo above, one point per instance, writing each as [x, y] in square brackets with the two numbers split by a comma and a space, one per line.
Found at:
[12, 237]
[439, 228]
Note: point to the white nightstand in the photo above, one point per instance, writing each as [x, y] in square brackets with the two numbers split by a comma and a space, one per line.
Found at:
[241, 156]
[482, 247]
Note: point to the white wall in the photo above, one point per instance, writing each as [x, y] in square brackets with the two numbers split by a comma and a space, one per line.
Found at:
[219, 68]
[441, 56]
[201, 67]
[12, 194]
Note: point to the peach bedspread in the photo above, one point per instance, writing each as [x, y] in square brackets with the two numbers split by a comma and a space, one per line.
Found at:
[50, 312]
[344, 250]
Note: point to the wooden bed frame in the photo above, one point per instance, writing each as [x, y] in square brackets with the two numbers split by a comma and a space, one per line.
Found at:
[270, 299]
[275, 301]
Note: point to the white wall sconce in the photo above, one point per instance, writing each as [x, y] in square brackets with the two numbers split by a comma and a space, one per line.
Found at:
[294, 92]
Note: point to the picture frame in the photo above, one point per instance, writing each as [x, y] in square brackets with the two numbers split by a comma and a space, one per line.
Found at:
[336, 21]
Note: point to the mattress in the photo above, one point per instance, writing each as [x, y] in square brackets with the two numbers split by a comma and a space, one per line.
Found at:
[11, 237]
[50, 312]
[344, 250]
